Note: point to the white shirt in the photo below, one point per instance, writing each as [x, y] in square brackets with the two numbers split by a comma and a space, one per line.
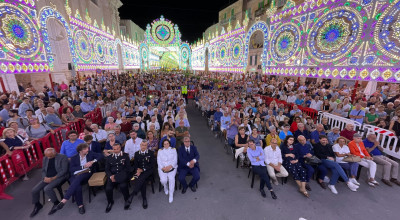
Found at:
[316, 104]
[341, 150]
[156, 125]
[132, 147]
[166, 157]
[100, 135]
[273, 156]
[40, 116]
[291, 99]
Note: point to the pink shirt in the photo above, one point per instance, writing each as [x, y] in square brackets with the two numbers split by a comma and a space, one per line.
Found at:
[63, 87]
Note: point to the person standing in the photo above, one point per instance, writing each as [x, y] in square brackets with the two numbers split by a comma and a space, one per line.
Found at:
[54, 173]
[167, 160]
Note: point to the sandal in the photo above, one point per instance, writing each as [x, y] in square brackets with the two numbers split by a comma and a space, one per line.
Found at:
[305, 193]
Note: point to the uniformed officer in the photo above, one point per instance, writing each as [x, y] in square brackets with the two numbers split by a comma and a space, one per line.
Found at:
[118, 170]
[144, 164]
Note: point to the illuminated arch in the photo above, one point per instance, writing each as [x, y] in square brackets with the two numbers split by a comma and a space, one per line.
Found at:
[258, 26]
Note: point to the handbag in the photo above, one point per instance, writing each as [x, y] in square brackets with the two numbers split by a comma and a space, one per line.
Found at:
[352, 159]
[312, 160]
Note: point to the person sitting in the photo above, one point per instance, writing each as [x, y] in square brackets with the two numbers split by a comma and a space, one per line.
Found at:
[118, 171]
[273, 160]
[132, 145]
[120, 136]
[139, 131]
[285, 132]
[348, 132]
[81, 168]
[54, 173]
[257, 158]
[188, 159]
[323, 150]
[52, 119]
[333, 135]
[37, 130]
[169, 137]
[341, 151]
[93, 145]
[306, 151]
[143, 167]
[167, 160]
[291, 155]
[68, 147]
[271, 135]
[86, 131]
[318, 132]
[181, 131]
[14, 141]
[110, 125]
[19, 131]
[241, 142]
[256, 137]
[99, 135]
[390, 167]
[357, 148]
[302, 131]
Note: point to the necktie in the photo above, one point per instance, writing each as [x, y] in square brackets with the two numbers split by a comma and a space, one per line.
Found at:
[187, 151]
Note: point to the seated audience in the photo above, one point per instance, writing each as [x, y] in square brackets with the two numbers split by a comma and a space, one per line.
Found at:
[273, 160]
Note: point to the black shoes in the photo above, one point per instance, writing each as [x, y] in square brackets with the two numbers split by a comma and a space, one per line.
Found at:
[263, 193]
[322, 184]
[109, 206]
[308, 188]
[54, 209]
[273, 195]
[127, 204]
[193, 188]
[130, 198]
[184, 190]
[82, 210]
[144, 203]
[36, 209]
[60, 206]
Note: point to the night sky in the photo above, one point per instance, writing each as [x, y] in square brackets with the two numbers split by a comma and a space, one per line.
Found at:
[192, 17]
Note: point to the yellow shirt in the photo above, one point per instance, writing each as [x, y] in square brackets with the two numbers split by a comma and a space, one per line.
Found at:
[269, 138]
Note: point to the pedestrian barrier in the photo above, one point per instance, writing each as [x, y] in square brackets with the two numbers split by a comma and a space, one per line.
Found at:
[387, 139]
[22, 161]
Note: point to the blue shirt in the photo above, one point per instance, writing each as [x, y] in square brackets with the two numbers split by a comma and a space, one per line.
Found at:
[369, 144]
[4, 114]
[69, 149]
[172, 140]
[225, 121]
[185, 121]
[86, 107]
[356, 112]
[217, 116]
[282, 135]
[332, 137]
[253, 154]
[52, 119]
[22, 109]
[315, 135]
[305, 133]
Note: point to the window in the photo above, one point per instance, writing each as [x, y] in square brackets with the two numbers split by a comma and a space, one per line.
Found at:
[233, 12]
[255, 61]
[136, 36]
[225, 16]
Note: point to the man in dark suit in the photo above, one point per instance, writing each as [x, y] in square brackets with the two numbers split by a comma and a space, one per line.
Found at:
[118, 170]
[188, 158]
[144, 165]
[81, 168]
[94, 146]
[54, 173]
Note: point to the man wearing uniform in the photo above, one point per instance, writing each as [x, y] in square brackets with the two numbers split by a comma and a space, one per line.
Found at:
[118, 169]
[144, 164]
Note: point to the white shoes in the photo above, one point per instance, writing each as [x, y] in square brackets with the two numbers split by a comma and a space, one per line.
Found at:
[171, 198]
[333, 189]
[352, 186]
[166, 190]
[354, 181]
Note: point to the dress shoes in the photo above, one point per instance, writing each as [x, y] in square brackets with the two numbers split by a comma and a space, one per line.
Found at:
[82, 210]
[130, 198]
[273, 195]
[60, 206]
[127, 204]
[54, 209]
[184, 190]
[322, 184]
[36, 209]
[109, 206]
[193, 188]
[263, 193]
[308, 188]
[144, 203]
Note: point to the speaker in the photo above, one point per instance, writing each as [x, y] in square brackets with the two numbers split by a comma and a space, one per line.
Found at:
[69, 66]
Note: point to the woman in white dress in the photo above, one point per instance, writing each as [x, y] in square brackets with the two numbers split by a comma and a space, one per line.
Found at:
[167, 160]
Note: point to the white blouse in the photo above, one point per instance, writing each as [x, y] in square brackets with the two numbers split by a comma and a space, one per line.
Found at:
[166, 157]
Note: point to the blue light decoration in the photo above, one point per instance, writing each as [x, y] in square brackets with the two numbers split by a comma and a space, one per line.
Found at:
[185, 59]
[258, 26]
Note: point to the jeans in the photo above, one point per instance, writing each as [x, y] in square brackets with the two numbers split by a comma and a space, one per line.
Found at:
[353, 167]
[264, 179]
[336, 171]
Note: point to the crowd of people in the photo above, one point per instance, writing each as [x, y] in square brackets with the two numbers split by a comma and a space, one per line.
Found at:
[146, 133]
[288, 141]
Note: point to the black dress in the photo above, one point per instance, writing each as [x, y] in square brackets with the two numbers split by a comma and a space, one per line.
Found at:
[298, 172]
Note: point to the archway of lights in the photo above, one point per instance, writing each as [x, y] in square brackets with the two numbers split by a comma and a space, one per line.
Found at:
[165, 50]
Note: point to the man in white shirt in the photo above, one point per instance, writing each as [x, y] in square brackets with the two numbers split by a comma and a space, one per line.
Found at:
[133, 144]
[155, 122]
[273, 160]
[99, 135]
[291, 98]
[316, 103]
